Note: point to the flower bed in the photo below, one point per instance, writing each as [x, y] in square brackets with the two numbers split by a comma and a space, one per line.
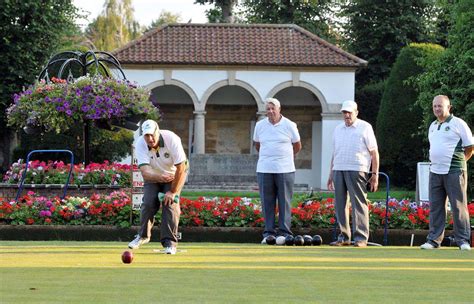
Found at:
[56, 172]
[115, 209]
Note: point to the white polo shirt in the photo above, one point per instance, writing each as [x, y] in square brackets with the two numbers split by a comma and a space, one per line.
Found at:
[352, 146]
[276, 145]
[169, 153]
[447, 140]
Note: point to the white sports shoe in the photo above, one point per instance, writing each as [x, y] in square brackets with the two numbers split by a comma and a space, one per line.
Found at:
[170, 250]
[427, 246]
[137, 242]
[465, 246]
[264, 241]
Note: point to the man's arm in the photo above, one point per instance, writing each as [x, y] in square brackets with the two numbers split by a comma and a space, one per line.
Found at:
[296, 147]
[330, 183]
[257, 146]
[177, 184]
[468, 152]
[374, 180]
[153, 176]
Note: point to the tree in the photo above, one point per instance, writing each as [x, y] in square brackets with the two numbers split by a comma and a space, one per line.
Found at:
[165, 18]
[315, 16]
[225, 8]
[398, 122]
[28, 39]
[115, 26]
[453, 73]
[377, 30]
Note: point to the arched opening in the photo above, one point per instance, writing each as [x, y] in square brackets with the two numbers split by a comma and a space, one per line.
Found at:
[230, 117]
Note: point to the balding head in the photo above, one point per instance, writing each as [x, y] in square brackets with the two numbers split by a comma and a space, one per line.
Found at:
[441, 107]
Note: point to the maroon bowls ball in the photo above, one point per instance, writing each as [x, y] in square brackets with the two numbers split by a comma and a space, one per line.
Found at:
[127, 257]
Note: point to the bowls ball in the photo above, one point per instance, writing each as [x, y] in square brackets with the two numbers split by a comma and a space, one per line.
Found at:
[280, 240]
[127, 257]
[299, 240]
[289, 240]
[307, 240]
[271, 240]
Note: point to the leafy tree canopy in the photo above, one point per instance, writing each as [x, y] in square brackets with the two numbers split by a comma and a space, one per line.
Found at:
[377, 30]
[31, 31]
[314, 15]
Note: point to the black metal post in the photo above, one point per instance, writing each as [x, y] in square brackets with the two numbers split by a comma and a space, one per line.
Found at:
[86, 139]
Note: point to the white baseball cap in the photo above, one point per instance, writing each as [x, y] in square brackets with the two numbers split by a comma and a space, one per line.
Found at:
[150, 127]
[349, 106]
[275, 102]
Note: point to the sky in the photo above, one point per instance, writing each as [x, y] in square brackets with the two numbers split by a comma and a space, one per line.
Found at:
[148, 10]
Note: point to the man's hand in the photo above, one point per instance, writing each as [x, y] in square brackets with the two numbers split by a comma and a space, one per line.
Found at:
[374, 182]
[330, 183]
[165, 178]
[169, 198]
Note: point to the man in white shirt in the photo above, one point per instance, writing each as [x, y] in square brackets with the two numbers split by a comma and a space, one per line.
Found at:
[451, 146]
[163, 165]
[354, 152]
[277, 141]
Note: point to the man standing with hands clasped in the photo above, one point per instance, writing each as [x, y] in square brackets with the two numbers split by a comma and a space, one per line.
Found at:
[163, 165]
[277, 141]
[451, 146]
[354, 151]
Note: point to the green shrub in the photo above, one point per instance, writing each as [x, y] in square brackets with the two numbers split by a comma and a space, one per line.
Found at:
[400, 134]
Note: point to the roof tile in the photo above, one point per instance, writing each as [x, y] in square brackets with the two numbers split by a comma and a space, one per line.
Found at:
[235, 44]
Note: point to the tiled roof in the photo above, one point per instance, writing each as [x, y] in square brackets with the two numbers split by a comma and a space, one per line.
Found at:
[234, 44]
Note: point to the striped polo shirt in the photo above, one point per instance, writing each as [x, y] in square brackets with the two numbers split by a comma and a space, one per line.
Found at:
[447, 142]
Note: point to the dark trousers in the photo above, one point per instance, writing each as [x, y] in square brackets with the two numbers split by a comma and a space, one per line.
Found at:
[352, 185]
[276, 187]
[169, 214]
[454, 187]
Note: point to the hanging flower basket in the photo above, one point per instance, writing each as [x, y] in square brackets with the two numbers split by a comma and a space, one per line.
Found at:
[58, 105]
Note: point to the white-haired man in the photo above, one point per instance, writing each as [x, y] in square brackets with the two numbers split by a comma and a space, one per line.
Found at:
[163, 165]
[354, 152]
[277, 141]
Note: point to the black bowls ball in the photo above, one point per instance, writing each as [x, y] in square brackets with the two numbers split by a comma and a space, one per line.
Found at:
[317, 240]
[299, 240]
[308, 240]
[271, 240]
[289, 240]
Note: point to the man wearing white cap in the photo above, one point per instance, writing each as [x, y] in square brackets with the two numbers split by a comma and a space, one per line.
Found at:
[355, 151]
[163, 165]
[277, 141]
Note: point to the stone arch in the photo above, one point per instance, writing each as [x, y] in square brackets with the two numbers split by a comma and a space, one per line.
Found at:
[179, 84]
[239, 83]
[302, 84]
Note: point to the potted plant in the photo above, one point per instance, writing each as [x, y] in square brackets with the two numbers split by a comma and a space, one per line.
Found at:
[58, 104]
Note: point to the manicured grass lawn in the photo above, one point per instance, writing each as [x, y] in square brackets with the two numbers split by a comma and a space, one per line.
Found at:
[92, 272]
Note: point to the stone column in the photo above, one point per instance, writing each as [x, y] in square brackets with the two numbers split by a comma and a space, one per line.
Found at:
[199, 132]
[261, 115]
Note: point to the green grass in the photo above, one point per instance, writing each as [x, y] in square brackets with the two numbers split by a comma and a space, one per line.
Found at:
[92, 272]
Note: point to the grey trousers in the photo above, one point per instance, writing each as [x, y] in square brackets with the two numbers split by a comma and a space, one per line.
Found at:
[276, 187]
[351, 185]
[454, 187]
[169, 214]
